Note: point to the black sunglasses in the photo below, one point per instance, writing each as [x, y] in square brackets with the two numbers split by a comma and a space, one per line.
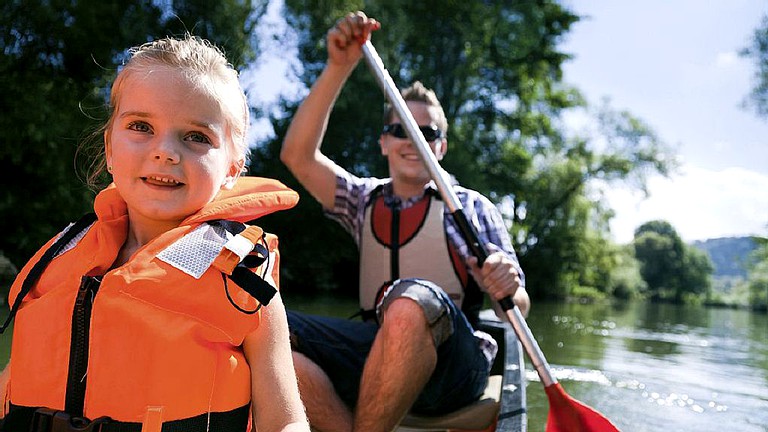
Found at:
[397, 130]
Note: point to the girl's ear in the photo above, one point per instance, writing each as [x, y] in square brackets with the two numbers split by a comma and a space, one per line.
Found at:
[234, 173]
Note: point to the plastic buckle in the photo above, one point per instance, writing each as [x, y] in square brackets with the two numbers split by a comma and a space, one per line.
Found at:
[48, 420]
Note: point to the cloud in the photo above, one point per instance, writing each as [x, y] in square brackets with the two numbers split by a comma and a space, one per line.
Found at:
[726, 59]
[700, 204]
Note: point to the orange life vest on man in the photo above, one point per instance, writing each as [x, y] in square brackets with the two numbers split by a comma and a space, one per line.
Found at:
[160, 335]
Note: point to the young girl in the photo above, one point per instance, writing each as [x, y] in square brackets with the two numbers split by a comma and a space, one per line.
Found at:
[152, 315]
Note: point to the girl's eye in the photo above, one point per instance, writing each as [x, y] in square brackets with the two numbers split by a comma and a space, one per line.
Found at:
[139, 126]
[197, 137]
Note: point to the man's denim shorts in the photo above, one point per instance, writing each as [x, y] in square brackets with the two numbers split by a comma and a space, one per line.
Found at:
[341, 346]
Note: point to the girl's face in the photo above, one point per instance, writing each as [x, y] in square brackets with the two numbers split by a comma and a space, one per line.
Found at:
[169, 148]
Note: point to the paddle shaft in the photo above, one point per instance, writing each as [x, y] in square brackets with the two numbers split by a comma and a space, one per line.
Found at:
[441, 179]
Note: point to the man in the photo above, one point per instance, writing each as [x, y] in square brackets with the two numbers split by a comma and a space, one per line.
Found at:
[420, 291]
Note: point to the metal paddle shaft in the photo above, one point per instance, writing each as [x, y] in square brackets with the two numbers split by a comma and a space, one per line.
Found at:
[566, 413]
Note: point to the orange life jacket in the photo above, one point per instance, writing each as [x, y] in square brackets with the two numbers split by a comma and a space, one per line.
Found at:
[161, 335]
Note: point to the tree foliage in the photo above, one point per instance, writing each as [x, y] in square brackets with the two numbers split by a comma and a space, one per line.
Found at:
[671, 269]
[57, 59]
[758, 51]
[497, 69]
[757, 279]
[496, 66]
[625, 280]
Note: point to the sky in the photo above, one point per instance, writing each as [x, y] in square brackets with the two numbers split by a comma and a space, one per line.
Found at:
[673, 64]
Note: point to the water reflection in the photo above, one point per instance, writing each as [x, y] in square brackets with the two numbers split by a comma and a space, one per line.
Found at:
[657, 367]
[652, 347]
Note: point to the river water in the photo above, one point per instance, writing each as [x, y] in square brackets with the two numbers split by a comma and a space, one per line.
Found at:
[646, 367]
[651, 367]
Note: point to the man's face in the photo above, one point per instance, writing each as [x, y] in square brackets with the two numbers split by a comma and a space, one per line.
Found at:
[405, 164]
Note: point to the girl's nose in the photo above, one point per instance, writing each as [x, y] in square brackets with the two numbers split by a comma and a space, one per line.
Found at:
[166, 151]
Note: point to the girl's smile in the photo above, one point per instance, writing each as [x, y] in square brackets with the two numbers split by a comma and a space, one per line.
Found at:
[162, 181]
[169, 148]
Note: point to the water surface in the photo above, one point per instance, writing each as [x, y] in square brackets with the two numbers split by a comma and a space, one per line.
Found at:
[651, 367]
[646, 367]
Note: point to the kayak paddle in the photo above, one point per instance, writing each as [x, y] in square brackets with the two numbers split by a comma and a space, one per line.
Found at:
[566, 414]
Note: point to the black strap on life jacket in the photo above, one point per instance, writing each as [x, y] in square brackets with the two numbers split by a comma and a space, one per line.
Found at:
[242, 275]
[37, 270]
[33, 419]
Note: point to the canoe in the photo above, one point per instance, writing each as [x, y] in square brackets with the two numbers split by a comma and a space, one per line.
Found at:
[502, 408]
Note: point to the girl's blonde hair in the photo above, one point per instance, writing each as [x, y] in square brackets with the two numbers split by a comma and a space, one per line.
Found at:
[206, 67]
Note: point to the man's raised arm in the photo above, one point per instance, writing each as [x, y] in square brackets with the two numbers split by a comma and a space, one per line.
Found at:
[301, 147]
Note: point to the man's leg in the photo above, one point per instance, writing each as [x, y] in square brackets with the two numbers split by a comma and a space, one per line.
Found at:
[325, 410]
[401, 361]
[329, 357]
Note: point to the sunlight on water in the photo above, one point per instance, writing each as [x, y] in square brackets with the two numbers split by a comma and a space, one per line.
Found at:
[656, 367]
[571, 374]
[673, 338]
[567, 374]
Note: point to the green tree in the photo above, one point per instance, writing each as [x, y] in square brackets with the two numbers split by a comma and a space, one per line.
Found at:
[757, 50]
[566, 223]
[671, 269]
[757, 278]
[497, 68]
[625, 280]
[697, 272]
[660, 257]
[56, 60]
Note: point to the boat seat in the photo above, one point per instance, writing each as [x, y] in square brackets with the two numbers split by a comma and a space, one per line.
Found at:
[477, 416]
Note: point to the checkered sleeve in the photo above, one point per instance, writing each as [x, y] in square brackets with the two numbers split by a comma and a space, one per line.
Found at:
[352, 195]
[487, 220]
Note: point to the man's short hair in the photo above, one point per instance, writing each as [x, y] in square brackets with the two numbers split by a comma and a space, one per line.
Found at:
[417, 92]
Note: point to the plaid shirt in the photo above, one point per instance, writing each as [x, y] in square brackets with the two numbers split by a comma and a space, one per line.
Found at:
[354, 193]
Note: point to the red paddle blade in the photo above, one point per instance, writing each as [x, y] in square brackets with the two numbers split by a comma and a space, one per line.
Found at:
[566, 414]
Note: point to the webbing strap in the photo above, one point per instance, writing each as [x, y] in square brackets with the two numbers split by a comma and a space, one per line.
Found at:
[253, 284]
[21, 418]
[249, 281]
[34, 274]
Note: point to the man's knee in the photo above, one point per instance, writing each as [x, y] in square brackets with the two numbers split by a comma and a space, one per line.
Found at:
[309, 374]
[413, 302]
[404, 314]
